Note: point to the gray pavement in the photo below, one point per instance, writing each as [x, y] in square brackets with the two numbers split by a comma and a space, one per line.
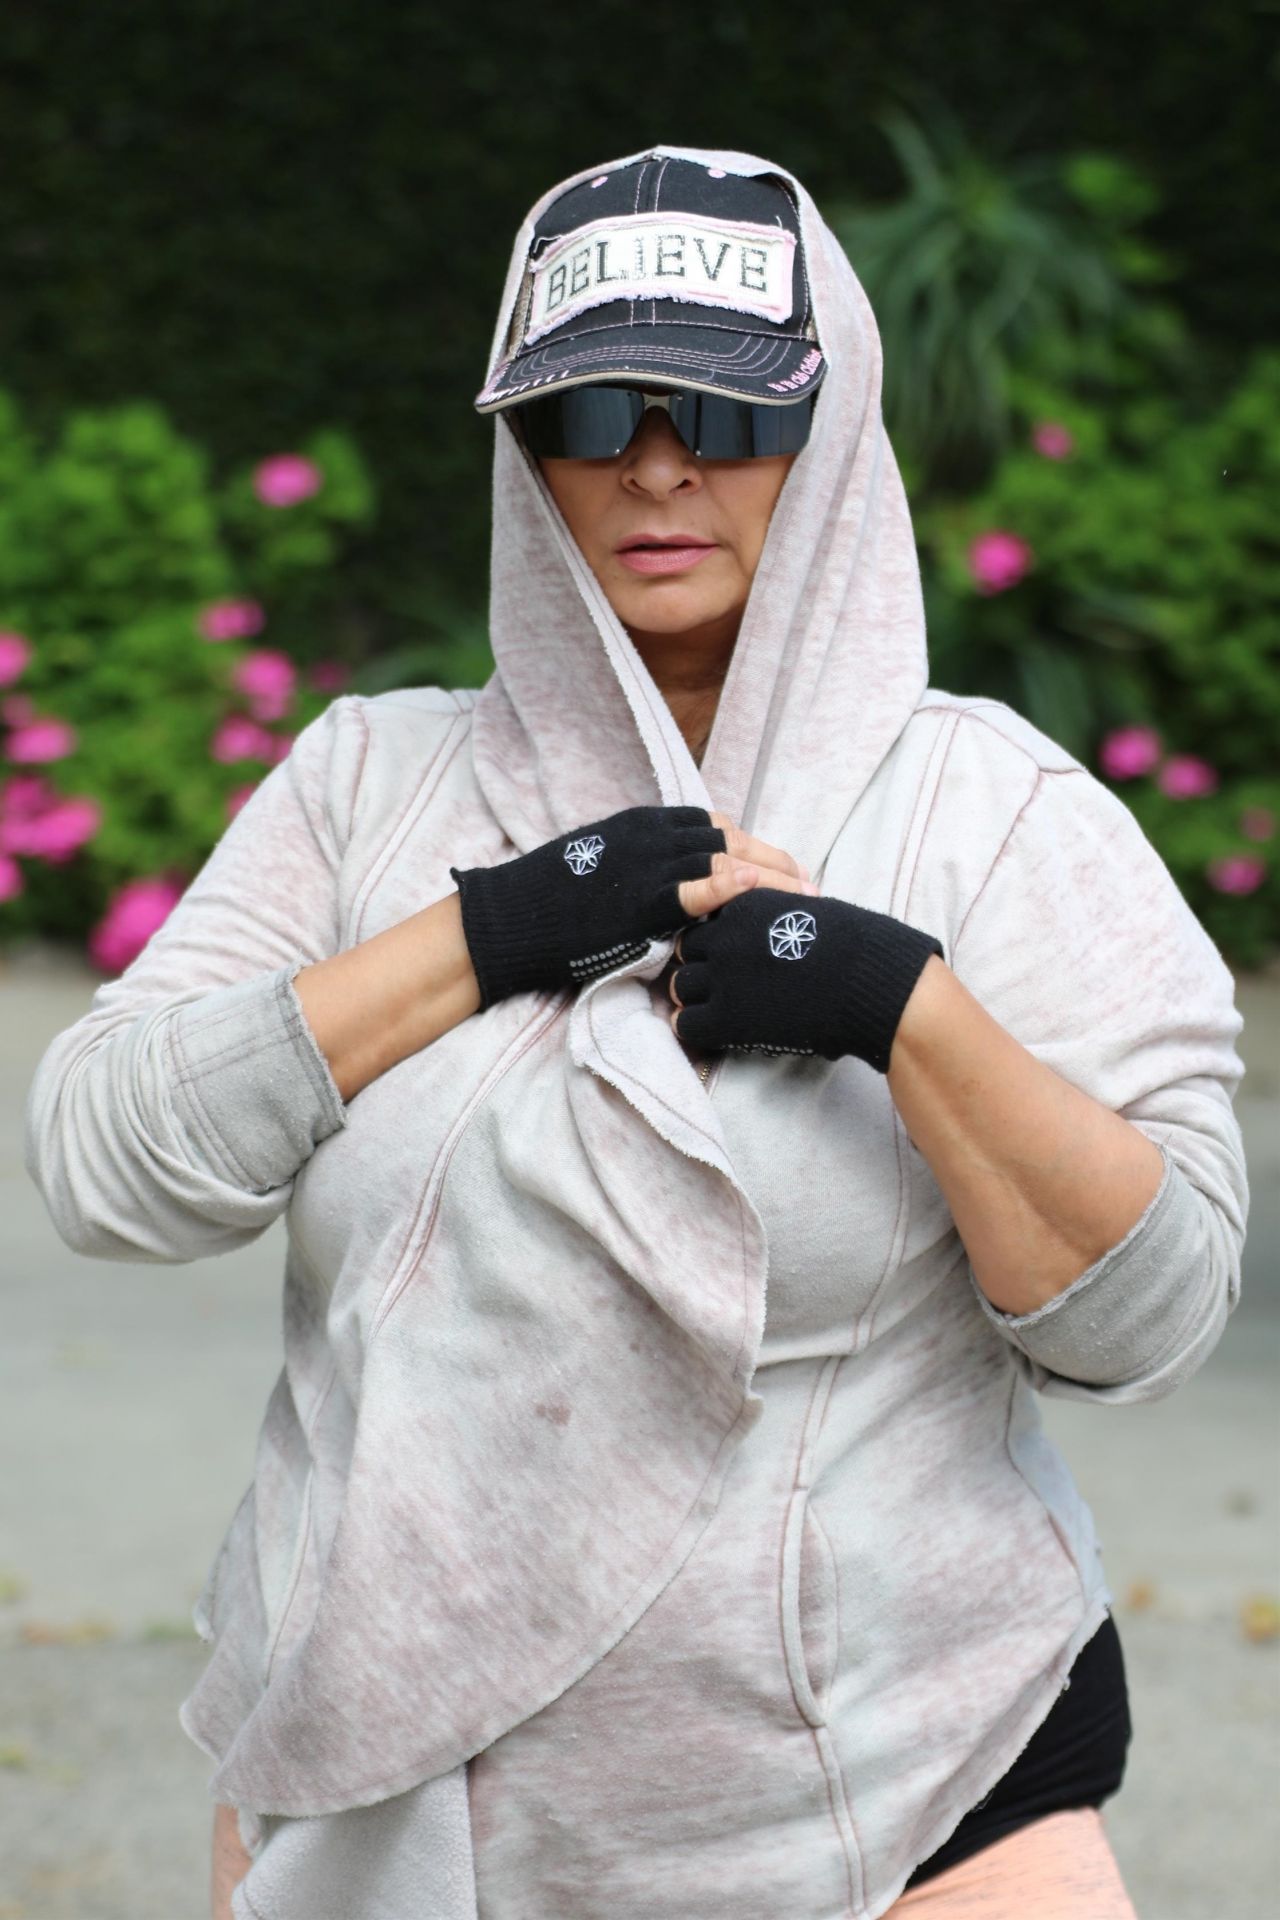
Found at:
[130, 1399]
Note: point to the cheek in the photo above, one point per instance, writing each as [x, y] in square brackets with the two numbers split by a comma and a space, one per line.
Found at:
[750, 514]
[580, 496]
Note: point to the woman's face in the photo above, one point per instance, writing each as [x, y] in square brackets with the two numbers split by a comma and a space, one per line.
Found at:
[673, 540]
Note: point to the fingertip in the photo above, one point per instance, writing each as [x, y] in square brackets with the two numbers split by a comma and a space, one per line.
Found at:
[745, 875]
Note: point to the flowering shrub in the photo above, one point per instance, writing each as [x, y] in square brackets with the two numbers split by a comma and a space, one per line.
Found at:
[138, 714]
[998, 560]
[1118, 581]
[285, 479]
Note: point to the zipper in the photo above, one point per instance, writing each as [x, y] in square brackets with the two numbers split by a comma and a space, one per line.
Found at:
[709, 1070]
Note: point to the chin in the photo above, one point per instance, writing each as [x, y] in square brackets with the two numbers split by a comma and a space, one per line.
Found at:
[670, 616]
[671, 607]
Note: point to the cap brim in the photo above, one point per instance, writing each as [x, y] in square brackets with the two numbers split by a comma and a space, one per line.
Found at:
[767, 368]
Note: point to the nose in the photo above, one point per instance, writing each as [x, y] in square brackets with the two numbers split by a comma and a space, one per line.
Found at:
[656, 460]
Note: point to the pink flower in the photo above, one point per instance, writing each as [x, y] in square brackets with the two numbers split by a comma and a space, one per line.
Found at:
[55, 835]
[25, 795]
[11, 880]
[283, 746]
[240, 738]
[269, 679]
[1128, 752]
[1257, 823]
[1053, 440]
[40, 740]
[38, 821]
[1237, 873]
[15, 652]
[237, 798]
[1184, 777]
[998, 560]
[329, 676]
[134, 913]
[285, 479]
[231, 619]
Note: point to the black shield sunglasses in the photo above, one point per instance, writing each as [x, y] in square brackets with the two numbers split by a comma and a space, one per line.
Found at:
[597, 423]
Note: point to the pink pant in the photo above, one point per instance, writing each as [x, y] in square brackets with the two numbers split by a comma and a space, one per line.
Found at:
[1057, 1868]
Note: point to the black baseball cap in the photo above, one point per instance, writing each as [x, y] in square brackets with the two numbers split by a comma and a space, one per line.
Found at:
[666, 271]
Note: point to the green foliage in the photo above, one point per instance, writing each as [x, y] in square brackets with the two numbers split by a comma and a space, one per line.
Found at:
[1047, 399]
[113, 541]
[1153, 598]
[971, 264]
[267, 216]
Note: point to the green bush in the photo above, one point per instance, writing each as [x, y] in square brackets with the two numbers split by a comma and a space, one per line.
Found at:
[1150, 597]
[117, 545]
[1094, 498]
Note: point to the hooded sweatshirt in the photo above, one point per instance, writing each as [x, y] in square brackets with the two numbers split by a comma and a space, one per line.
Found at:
[652, 1516]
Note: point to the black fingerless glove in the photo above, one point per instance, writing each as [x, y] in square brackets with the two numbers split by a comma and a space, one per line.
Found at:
[787, 973]
[583, 904]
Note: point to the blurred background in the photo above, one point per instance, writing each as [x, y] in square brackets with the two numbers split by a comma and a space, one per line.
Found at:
[249, 265]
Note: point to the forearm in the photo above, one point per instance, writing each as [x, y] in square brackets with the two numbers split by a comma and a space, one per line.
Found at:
[390, 996]
[1041, 1179]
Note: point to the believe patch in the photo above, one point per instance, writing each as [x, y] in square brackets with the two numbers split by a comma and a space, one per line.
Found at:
[663, 256]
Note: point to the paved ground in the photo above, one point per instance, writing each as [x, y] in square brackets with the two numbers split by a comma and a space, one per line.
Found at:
[129, 1402]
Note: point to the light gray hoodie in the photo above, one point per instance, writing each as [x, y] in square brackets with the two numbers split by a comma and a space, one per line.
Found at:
[652, 1516]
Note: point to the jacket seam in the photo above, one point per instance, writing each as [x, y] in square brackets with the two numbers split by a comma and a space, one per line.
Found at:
[420, 797]
[985, 882]
[238, 1049]
[976, 710]
[366, 731]
[527, 1037]
[915, 812]
[901, 1139]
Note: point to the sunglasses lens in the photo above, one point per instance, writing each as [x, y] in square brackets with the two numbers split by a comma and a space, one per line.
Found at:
[597, 423]
[718, 427]
[581, 423]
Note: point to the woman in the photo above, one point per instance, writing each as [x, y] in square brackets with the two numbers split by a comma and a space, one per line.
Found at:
[653, 1515]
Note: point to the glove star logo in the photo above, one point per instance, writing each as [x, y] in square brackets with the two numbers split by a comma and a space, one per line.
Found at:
[584, 855]
[792, 935]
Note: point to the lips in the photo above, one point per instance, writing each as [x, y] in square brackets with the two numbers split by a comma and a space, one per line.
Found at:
[663, 552]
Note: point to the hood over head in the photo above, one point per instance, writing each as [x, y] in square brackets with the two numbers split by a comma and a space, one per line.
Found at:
[830, 659]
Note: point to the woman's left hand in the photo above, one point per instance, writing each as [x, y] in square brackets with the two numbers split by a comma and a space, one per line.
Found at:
[775, 974]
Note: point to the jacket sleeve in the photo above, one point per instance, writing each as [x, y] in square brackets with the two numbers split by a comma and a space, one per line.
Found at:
[169, 1121]
[1080, 944]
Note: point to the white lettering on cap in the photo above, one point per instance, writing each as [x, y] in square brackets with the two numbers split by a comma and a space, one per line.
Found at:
[663, 256]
